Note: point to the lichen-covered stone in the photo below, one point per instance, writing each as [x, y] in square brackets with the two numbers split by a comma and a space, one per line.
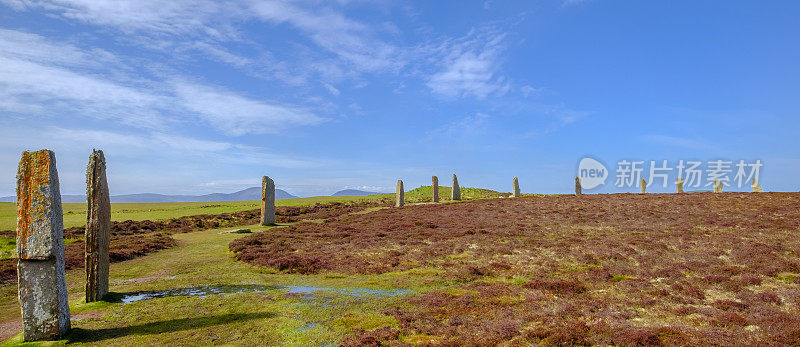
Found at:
[455, 193]
[42, 288]
[267, 201]
[399, 195]
[98, 227]
[643, 186]
[516, 188]
[578, 186]
[39, 221]
[756, 187]
[435, 187]
[679, 185]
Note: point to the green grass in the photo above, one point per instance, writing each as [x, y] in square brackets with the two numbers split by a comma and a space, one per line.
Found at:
[268, 317]
[75, 213]
[8, 247]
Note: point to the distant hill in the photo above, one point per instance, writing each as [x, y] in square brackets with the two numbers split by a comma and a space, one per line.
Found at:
[353, 192]
[242, 195]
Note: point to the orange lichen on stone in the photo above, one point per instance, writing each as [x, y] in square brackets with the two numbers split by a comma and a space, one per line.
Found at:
[33, 200]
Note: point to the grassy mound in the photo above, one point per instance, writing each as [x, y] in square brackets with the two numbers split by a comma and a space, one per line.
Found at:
[425, 193]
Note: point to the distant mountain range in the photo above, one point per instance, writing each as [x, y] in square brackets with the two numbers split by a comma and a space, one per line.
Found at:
[242, 195]
[353, 192]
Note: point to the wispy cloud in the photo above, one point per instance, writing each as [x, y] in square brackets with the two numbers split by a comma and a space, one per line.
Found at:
[353, 41]
[471, 66]
[41, 77]
[236, 115]
[332, 89]
[176, 17]
[572, 2]
[467, 126]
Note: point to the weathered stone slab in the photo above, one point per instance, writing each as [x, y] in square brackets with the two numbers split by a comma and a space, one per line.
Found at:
[455, 193]
[43, 299]
[98, 227]
[756, 187]
[42, 289]
[717, 186]
[435, 187]
[578, 186]
[399, 195]
[516, 188]
[679, 185]
[643, 185]
[267, 201]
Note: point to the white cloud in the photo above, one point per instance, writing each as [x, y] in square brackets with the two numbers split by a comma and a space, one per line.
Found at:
[464, 128]
[529, 90]
[236, 115]
[471, 67]
[41, 77]
[160, 17]
[332, 89]
[32, 87]
[572, 2]
[212, 22]
[351, 40]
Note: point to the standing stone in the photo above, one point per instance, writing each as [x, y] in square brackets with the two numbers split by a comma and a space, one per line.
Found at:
[516, 187]
[679, 185]
[756, 186]
[40, 249]
[435, 188]
[643, 185]
[267, 201]
[399, 195]
[455, 194]
[577, 186]
[717, 186]
[98, 227]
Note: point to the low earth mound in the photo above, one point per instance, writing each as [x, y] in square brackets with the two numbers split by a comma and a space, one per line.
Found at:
[131, 239]
[623, 269]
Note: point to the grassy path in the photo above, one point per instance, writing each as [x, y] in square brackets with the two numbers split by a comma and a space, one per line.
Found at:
[261, 308]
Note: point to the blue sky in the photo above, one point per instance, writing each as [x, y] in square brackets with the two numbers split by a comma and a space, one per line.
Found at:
[194, 97]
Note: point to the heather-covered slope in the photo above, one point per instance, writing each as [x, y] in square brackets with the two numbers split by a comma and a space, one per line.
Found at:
[622, 269]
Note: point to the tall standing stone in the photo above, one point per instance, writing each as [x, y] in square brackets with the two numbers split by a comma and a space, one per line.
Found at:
[455, 193]
[578, 186]
[679, 185]
[399, 195]
[40, 249]
[267, 201]
[756, 187]
[98, 227]
[643, 185]
[516, 187]
[717, 186]
[435, 188]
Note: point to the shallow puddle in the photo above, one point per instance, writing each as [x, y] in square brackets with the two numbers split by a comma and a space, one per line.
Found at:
[127, 298]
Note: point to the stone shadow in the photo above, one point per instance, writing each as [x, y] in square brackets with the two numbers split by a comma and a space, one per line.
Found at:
[160, 327]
